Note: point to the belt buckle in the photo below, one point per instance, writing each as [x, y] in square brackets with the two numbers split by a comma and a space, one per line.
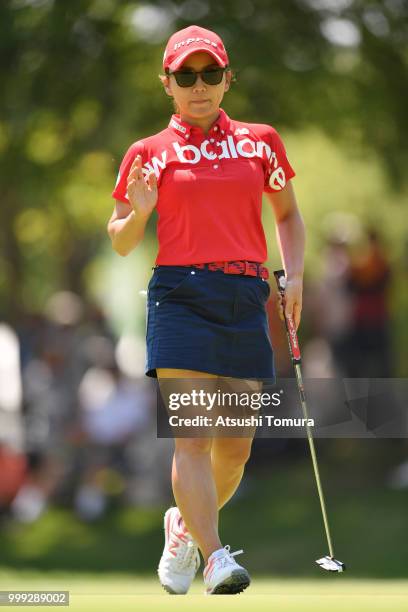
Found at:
[249, 271]
[236, 267]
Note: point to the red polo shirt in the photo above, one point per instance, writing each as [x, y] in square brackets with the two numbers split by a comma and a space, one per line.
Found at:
[210, 188]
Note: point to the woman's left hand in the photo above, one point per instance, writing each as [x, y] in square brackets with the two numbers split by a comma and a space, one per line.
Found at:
[291, 303]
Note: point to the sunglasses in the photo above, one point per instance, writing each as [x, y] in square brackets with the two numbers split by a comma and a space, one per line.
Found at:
[188, 78]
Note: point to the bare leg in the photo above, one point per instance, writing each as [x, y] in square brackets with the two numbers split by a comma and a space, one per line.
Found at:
[229, 455]
[195, 492]
[228, 458]
[193, 483]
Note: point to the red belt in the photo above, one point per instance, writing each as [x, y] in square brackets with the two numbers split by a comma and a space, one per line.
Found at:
[247, 268]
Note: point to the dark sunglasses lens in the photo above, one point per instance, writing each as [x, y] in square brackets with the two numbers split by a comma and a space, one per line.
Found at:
[188, 78]
[213, 77]
[185, 79]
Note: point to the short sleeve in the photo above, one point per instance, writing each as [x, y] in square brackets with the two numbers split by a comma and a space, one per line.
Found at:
[120, 191]
[279, 170]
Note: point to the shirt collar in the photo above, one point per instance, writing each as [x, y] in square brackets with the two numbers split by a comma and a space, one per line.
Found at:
[184, 129]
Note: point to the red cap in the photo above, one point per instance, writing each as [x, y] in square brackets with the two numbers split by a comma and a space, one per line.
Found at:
[190, 40]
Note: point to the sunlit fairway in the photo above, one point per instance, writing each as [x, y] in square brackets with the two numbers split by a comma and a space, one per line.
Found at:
[110, 592]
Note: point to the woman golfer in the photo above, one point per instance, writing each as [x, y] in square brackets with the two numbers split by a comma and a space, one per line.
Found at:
[205, 173]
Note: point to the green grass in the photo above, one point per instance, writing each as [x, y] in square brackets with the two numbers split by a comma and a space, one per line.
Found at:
[122, 592]
[109, 566]
[275, 518]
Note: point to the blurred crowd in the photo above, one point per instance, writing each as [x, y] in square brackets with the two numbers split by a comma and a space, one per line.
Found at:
[349, 309]
[77, 415]
[78, 420]
[346, 319]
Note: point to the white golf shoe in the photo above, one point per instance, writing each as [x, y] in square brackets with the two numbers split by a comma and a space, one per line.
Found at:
[223, 575]
[180, 559]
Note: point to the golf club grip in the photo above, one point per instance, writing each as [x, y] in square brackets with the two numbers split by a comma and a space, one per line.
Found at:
[291, 333]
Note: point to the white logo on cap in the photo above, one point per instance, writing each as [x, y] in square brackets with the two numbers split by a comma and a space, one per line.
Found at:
[188, 41]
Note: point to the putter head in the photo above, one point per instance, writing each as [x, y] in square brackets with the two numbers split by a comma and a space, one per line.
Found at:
[331, 564]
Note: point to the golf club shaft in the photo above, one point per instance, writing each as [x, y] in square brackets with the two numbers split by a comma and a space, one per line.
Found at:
[296, 360]
[298, 373]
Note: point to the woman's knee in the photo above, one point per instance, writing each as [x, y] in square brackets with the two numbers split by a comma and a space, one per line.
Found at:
[232, 451]
[193, 446]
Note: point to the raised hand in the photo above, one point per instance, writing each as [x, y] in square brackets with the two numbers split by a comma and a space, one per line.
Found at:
[142, 193]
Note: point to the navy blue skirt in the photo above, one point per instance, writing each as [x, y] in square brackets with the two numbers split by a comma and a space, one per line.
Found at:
[208, 321]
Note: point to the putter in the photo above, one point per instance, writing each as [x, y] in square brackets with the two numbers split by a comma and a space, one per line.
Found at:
[328, 562]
